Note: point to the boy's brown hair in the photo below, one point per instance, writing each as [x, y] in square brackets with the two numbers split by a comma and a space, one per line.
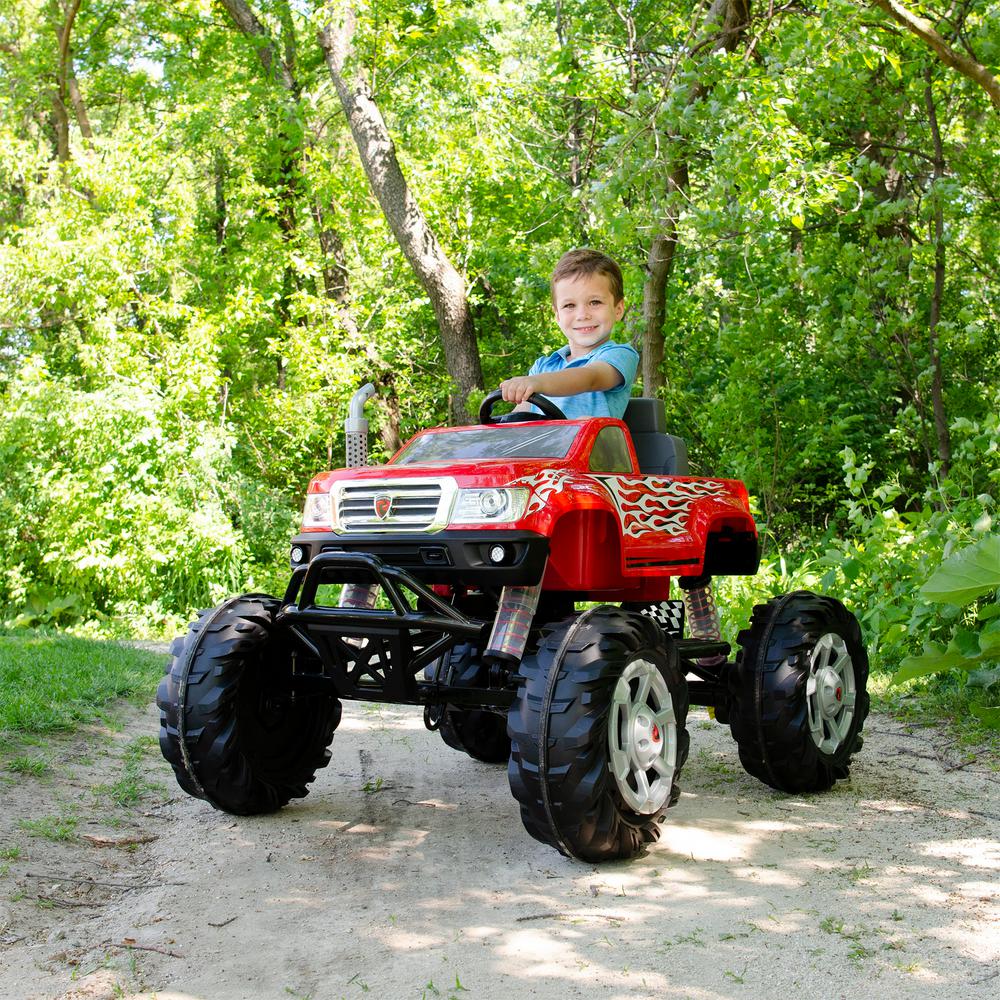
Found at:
[580, 263]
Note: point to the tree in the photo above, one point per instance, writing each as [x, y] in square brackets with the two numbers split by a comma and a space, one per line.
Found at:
[442, 282]
[723, 27]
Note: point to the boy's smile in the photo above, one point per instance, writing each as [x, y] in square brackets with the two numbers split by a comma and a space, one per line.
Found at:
[586, 311]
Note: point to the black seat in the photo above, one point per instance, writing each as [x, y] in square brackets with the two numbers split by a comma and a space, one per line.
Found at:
[659, 453]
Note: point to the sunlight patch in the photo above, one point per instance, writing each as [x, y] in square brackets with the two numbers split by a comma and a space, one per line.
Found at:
[702, 844]
[974, 852]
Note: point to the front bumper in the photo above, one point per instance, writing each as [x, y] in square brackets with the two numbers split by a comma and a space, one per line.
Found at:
[441, 557]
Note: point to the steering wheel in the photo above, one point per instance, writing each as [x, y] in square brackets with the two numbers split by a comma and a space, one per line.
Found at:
[549, 410]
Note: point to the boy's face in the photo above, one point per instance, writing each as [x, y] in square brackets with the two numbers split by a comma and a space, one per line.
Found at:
[586, 311]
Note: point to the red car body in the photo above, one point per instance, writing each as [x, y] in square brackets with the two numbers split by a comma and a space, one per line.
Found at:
[589, 522]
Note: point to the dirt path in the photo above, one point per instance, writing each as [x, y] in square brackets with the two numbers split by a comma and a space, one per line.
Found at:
[406, 874]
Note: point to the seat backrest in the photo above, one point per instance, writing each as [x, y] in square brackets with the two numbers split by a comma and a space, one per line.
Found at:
[659, 453]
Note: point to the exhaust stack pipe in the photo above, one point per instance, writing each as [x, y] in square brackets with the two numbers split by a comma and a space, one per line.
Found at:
[356, 428]
[360, 596]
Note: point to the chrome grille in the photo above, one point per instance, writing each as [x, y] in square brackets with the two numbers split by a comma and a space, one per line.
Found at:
[400, 505]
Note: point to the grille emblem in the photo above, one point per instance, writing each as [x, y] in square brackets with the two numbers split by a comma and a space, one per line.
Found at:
[383, 505]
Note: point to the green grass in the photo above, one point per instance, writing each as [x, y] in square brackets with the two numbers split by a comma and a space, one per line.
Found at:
[941, 698]
[51, 827]
[51, 683]
[34, 766]
[132, 786]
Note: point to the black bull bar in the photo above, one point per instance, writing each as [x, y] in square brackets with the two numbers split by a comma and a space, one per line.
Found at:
[376, 654]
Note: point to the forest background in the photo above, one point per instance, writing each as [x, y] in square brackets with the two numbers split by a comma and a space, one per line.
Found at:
[217, 220]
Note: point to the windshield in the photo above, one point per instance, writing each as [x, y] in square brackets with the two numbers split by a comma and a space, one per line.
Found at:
[515, 441]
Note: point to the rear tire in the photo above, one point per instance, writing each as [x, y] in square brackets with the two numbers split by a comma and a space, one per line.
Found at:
[598, 735]
[479, 733]
[798, 692]
[229, 725]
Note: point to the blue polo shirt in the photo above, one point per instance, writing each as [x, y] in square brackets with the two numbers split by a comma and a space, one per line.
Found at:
[622, 357]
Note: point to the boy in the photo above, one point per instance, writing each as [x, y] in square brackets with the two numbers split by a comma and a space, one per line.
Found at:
[591, 376]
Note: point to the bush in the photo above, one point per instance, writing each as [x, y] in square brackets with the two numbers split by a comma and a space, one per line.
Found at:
[899, 566]
[113, 508]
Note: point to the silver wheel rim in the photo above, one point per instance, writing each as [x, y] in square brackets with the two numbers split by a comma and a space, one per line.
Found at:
[642, 737]
[831, 692]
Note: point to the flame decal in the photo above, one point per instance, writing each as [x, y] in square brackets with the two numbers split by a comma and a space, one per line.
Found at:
[653, 503]
[644, 503]
[543, 487]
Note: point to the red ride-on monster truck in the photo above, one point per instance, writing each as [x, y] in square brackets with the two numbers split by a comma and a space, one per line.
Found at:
[451, 576]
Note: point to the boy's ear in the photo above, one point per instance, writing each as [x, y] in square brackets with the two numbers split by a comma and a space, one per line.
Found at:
[619, 309]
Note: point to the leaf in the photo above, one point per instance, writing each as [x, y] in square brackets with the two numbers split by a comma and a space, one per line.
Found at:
[966, 575]
[932, 660]
[984, 678]
[852, 569]
[988, 612]
[989, 639]
[965, 650]
[987, 716]
[965, 642]
[799, 221]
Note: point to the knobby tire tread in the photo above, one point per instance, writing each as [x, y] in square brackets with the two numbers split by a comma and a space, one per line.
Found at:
[210, 723]
[768, 715]
[558, 769]
[477, 732]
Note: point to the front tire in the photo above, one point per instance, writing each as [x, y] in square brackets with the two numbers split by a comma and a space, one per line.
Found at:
[798, 692]
[229, 724]
[598, 735]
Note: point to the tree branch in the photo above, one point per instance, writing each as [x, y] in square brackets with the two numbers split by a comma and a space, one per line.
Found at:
[926, 32]
[267, 52]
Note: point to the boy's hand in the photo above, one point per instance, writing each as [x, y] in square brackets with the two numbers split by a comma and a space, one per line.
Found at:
[519, 388]
[598, 376]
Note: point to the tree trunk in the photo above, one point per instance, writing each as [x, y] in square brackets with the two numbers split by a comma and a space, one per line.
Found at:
[335, 288]
[249, 24]
[334, 266]
[937, 377]
[82, 118]
[67, 89]
[221, 221]
[725, 25]
[279, 69]
[442, 282]
[60, 125]
[659, 266]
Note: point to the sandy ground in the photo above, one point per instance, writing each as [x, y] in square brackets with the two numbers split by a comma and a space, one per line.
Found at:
[406, 874]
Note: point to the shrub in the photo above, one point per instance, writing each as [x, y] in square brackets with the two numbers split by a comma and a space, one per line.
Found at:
[112, 507]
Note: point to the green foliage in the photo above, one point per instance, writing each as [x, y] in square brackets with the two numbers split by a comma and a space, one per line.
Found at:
[55, 828]
[188, 301]
[966, 578]
[967, 575]
[116, 505]
[132, 785]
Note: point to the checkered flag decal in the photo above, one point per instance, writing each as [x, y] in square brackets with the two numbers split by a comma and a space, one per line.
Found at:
[669, 615]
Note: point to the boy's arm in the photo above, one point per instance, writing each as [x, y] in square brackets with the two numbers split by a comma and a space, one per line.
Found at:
[598, 376]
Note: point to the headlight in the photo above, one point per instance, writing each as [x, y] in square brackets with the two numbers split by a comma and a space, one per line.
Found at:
[489, 505]
[318, 512]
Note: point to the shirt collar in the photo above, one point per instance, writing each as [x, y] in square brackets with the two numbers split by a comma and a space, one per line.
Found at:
[563, 352]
